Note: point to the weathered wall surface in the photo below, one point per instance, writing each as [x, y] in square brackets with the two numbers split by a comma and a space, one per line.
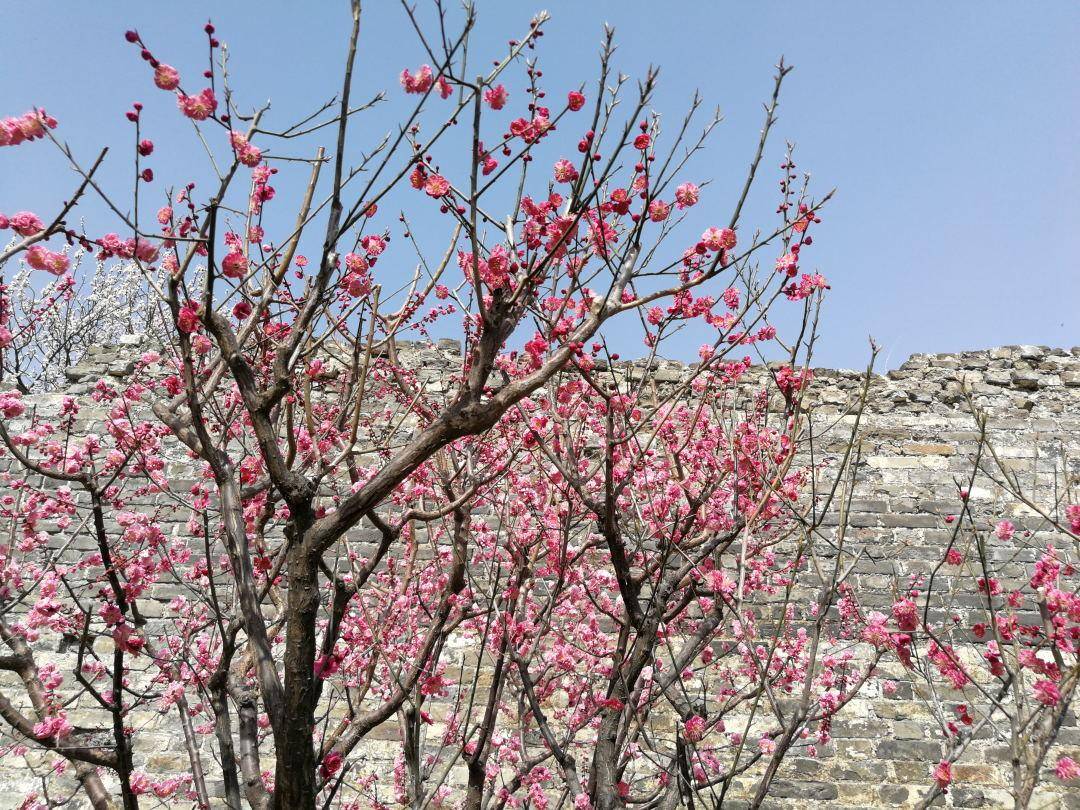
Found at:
[918, 439]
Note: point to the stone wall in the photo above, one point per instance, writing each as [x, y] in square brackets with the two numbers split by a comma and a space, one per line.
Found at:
[918, 437]
[919, 441]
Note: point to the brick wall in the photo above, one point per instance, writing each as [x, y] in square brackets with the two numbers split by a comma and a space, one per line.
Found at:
[918, 439]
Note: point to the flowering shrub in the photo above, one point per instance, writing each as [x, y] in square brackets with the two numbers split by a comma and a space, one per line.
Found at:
[992, 633]
[47, 328]
[630, 568]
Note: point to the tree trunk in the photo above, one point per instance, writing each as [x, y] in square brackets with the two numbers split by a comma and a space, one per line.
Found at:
[294, 776]
[474, 794]
[606, 791]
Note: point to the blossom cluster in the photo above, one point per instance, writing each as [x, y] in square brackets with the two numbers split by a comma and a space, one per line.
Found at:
[26, 127]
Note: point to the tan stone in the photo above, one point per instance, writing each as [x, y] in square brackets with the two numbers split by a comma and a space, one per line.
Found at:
[929, 449]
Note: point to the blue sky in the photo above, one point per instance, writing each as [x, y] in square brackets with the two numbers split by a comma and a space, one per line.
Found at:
[950, 130]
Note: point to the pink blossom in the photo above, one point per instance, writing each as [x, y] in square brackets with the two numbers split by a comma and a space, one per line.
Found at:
[1072, 513]
[531, 131]
[112, 245]
[1047, 692]
[356, 263]
[496, 97]
[200, 107]
[41, 258]
[140, 783]
[436, 186]
[246, 153]
[575, 100]
[373, 244]
[659, 210]
[11, 404]
[788, 263]
[719, 238]
[418, 82]
[331, 764]
[565, 171]
[166, 76]
[945, 660]
[806, 286]
[325, 665]
[145, 251]
[56, 726]
[906, 614]
[695, 728]
[24, 223]
[620, 201]
[164, 788]
[686, 195]
[26, 127]
[1066, 769]
[234, 265]
[876, 632]
[1004, 530]
[188, 319]
[943, 774]
[128, 639]
[721, 583]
